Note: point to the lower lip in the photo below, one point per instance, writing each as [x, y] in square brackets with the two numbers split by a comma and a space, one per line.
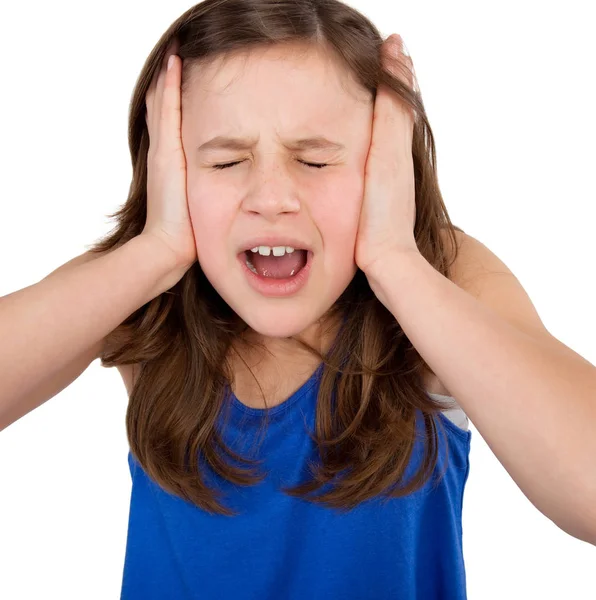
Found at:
[277, 288]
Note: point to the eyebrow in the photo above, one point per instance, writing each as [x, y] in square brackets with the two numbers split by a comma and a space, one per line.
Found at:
[234, 143]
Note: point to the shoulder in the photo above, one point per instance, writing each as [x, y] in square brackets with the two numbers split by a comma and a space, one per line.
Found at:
[463, 259]
[480, 272]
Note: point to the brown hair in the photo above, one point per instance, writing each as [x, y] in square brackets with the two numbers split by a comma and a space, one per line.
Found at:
[182, 338]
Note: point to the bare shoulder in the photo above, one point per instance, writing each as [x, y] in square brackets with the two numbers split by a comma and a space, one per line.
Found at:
[456, 257]
[485, 276]
[473, 264]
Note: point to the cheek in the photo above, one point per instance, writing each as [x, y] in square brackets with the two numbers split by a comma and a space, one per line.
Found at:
[211, 221]
[338, 212]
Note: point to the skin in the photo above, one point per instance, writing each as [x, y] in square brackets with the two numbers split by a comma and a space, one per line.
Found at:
[274, 95]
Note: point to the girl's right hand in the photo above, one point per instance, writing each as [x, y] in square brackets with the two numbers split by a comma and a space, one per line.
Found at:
[168, 217]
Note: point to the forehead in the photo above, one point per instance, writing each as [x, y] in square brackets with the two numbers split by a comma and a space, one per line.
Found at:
[294, 81]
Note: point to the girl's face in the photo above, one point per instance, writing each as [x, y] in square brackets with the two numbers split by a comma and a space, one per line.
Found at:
[270, 99]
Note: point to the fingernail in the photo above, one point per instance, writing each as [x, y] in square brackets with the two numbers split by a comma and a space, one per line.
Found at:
[170, 61]
[394, 42]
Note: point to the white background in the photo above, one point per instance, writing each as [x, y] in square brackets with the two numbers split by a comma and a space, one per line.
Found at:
[509, 90]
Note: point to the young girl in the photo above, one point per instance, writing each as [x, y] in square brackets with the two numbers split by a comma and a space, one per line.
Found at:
[265, 296]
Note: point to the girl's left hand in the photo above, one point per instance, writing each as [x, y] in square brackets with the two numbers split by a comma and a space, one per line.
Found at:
[388, 212]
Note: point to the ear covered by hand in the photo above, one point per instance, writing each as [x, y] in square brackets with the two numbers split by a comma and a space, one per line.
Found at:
[388, 212]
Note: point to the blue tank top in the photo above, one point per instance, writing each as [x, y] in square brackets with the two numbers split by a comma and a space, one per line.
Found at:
[284, 548]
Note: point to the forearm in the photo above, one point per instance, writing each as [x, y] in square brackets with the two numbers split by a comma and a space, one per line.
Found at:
[48, 325]
[534, 403]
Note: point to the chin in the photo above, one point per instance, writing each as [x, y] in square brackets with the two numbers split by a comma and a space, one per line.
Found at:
[282, 322]
[281, 317]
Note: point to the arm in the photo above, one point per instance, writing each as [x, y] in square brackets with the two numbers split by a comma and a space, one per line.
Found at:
[52, 330]
[531, 397]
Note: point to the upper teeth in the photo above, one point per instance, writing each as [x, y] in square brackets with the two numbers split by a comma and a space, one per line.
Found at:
[277, 250]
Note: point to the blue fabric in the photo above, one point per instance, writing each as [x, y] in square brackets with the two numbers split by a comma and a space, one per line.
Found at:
[283, 548]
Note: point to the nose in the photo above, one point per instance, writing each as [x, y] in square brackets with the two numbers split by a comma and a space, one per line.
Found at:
[272, 192]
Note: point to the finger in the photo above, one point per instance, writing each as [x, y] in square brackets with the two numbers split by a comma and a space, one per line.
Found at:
[399, 64]
[152, 108]
[158, 93]
[149, 98]
[173, 47]
[158, 102]
[393, 120]
[169, 125]
[393, 127]
[154, 96]
[396, 59]
[149, 95]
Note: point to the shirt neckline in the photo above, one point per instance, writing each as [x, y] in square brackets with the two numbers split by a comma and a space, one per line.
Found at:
[283, 406]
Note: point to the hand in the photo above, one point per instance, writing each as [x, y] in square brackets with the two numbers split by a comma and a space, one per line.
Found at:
[168, 218]
[388, 212]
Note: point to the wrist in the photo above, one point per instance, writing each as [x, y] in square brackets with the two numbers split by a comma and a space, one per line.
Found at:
[387, 264]
[169, 270]
[394, 267]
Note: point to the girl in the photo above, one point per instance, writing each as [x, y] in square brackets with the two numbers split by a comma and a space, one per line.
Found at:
[284, 298]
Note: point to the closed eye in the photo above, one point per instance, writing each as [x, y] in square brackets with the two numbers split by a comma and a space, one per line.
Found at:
[311, 165]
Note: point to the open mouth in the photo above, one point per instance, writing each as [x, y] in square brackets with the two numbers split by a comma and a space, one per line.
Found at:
[276, 263]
